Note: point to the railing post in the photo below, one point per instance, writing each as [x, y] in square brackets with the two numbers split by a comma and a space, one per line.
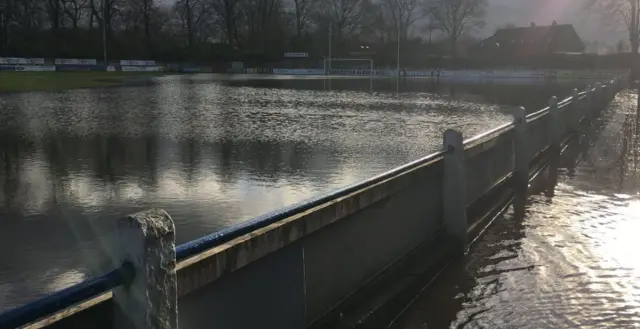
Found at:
[575, 110]
[454, 190]
[521, 149]
[555, 124]
[147, 241]
[588, 108]
[599, 99]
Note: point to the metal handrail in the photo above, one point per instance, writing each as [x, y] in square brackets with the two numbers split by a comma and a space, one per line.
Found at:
[194, 247]
[537, 115]
[563, 103]
[495, 132]
[65, 298]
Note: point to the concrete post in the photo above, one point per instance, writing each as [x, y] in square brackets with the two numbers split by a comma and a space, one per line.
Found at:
[147, 241]
[588, 108]
[454, 190]
[599, 103]
[521, 149]
[613, 88]
[555, 124]
[575, 111]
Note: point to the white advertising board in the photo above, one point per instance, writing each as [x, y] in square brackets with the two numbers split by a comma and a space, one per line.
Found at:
[21, 61]
[127, 62]
[299, 71]
[142, 69]
[35, 68]
[298, 55]
[70, 61]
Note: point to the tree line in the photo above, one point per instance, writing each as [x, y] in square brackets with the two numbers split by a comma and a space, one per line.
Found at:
[224, 30]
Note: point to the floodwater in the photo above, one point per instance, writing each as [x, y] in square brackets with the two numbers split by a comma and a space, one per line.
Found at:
[211, 150]
[567, 259]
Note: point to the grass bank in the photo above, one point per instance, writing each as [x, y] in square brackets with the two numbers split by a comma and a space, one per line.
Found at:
[55, 81]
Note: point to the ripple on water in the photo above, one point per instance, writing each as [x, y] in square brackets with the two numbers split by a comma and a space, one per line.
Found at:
[213, 153]
[570, 262]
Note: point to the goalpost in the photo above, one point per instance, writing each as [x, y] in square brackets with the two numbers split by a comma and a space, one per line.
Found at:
[355, 67]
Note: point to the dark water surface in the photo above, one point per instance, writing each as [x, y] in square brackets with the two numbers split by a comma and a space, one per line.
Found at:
[211, 150]
[568, 260]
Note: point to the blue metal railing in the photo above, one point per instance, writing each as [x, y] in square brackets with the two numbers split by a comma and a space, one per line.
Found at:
[213, 240]
[65, 298]
[62, 299]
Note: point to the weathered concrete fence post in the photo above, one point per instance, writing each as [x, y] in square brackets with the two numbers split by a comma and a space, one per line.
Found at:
[606, 91]
[575, 111]
[454, 190]
[589, 103]
[599, 98]
[555, 124]
[521, 149]
[147, 242]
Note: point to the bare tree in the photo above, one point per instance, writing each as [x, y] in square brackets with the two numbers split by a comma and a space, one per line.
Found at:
[261, 20]
[302, 10]
[400, 16]
[74, 9]
[343, 15]
[139, 14]
[430, 27]
[192, 13]
[227, 14]
[6, 15]
[627, 11]
[53, 8]
[105, 12]
[146, 8]
[91, 15]
[456, 18]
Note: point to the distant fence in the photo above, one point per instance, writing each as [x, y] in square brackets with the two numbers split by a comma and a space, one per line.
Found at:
[28, 68]
[446, 73]
[75, 65]
[21, 61]
[289, 268]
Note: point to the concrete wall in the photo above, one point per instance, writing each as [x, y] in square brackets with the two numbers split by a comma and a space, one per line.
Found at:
[268, 293]
[340, 258]
[538, 133]
[488, 163]
[301, 282]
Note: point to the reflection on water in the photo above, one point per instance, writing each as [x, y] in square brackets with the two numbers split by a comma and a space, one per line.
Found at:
[568, 261]
[211, 152]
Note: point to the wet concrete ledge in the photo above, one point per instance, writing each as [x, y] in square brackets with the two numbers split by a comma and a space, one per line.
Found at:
[379, 302]
[375, 301]
[392, 293]
[216, 264]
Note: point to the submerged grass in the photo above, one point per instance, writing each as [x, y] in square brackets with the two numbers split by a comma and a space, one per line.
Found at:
[56, 81]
